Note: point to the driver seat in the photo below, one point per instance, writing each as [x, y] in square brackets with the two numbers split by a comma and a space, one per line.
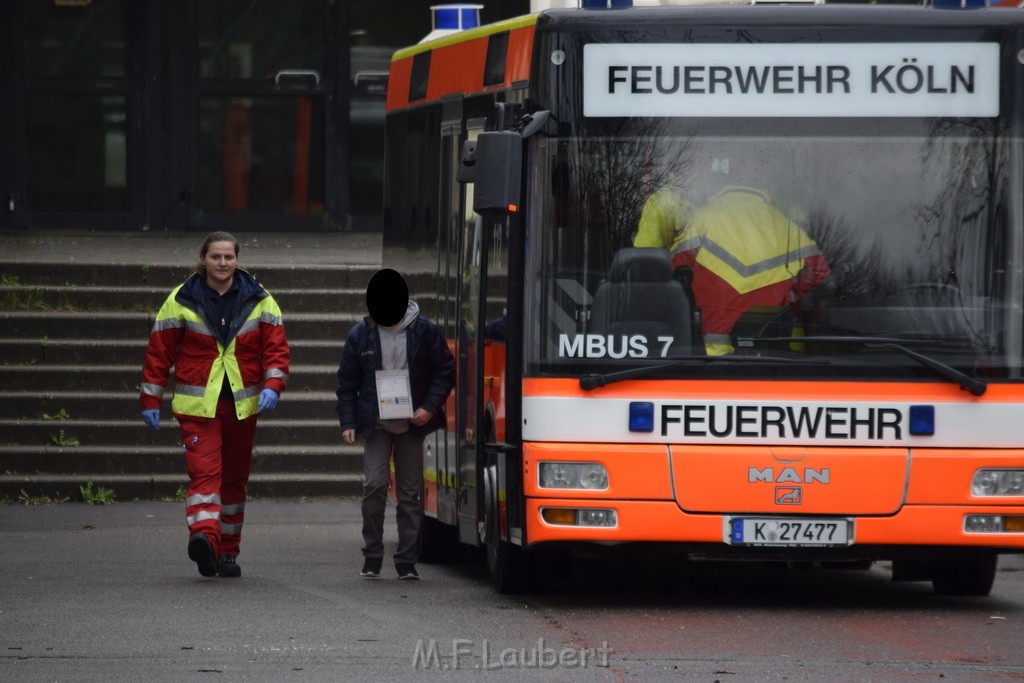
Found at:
[641, 297]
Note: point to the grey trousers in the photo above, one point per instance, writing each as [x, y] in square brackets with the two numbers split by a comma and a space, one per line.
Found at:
[407, 451]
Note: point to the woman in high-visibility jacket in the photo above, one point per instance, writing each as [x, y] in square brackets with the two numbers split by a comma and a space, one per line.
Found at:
[223, 334]
[744, 252]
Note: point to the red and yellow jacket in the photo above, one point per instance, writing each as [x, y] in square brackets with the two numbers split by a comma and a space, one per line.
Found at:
[255, 357]
[744, 252]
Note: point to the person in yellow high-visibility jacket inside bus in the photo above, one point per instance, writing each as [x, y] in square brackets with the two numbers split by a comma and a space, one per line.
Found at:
[744, 252]
[663, 217]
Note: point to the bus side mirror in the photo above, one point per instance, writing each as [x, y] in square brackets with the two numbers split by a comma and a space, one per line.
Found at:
[493, 163]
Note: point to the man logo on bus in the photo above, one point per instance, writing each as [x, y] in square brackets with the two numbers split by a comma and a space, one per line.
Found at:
[789, 495]
[789, 475]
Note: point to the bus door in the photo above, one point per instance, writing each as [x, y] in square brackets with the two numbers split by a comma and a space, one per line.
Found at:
[468, 388]
[441, 446]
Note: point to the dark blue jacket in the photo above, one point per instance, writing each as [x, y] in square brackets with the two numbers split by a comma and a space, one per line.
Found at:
[194, 296]
[431, 375]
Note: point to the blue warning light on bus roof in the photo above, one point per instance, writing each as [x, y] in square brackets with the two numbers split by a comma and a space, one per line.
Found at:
[457, 16]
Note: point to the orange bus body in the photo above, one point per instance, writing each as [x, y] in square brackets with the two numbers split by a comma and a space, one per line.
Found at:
[895, 492]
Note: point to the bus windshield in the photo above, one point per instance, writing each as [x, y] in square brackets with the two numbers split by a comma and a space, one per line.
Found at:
[781, 247]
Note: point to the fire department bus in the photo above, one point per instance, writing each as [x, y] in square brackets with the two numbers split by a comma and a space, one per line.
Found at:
[879, 416]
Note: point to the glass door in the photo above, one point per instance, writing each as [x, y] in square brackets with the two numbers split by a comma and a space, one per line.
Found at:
[261, 92]
[75, 69]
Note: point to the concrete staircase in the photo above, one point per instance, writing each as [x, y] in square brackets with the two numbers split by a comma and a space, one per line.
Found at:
[72, 342]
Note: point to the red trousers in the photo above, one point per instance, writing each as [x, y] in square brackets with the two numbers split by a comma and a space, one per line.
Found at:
[218, 454]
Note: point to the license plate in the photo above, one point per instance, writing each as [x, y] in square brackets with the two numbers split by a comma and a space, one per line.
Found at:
[789, 531]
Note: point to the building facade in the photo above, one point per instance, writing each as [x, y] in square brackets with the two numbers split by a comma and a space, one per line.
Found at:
[199, 114]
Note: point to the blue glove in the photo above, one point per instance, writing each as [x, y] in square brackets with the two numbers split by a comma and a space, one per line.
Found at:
[152, 418]
[268, 400]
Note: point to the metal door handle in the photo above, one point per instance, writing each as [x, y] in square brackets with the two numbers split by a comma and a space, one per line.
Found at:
[297, 73]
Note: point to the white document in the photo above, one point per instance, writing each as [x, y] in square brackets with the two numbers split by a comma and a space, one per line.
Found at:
[394, 398]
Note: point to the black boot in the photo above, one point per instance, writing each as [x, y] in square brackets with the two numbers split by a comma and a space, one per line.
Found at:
[200, 551]
[227, 566]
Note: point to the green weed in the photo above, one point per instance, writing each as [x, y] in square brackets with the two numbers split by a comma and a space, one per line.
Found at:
[178, 497]
[62, 440]
[42, 499]
[101, 496]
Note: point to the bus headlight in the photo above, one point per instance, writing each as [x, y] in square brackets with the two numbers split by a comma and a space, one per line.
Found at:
[998, 483]
[994, 524]
[573, 475]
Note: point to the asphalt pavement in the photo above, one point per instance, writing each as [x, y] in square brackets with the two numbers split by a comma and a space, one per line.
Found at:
[106, 592]
[91, 593]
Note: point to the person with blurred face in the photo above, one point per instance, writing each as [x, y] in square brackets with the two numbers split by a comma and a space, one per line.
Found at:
[223, 334]
[395, 375]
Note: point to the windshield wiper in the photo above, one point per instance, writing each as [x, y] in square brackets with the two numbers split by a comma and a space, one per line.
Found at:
[966, 382]
[589, 382]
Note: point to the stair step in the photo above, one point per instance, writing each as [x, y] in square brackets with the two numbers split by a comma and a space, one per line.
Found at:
[271, 435]
[82, 298]
[132, 352]
[99, 405]
[168, 486]
[165, 277]
[275, 442]
[129, 325]
[55, 378]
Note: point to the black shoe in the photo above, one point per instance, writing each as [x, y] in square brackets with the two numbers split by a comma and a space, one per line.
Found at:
[371, 567]
[228, 567]
[200, 551]
[407, 571]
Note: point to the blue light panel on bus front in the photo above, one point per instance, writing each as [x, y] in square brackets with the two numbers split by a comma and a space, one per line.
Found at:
[922, 420]
[959, 4]
[641, 416]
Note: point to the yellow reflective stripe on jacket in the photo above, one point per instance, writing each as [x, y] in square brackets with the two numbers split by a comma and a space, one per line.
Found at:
[191, 399]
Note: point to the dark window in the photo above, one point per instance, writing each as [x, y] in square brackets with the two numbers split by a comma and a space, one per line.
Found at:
[253, 39]
[261, 154]
[79, 162]
[420, 75]
[76, 40]
[497, 52]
